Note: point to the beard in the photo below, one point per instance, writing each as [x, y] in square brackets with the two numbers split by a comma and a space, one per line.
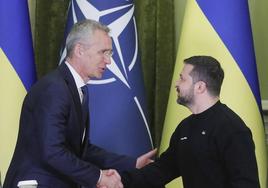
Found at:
[186, 99]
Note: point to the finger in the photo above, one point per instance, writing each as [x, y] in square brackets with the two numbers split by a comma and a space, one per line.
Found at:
[110, 172]
[114, 183]
[113, 174]
[116, 174]
[150, 161]
[102, 186]
[150, 153]
[121, 185]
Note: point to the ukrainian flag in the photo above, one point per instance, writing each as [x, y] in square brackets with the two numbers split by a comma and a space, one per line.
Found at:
[17, 72]
[222, 29]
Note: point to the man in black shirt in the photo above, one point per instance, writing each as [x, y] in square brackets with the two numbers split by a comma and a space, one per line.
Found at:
[212, 148]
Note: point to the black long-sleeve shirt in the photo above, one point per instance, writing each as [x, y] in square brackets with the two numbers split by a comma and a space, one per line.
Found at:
[213, 149]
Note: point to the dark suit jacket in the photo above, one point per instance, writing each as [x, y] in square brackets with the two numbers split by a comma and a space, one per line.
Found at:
[49, 147]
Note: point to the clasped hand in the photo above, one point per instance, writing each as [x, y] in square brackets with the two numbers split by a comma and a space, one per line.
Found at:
[111, 179]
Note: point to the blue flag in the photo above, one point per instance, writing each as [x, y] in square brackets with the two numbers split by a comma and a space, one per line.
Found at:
[240, 44]
[118, 117]
[17, 72]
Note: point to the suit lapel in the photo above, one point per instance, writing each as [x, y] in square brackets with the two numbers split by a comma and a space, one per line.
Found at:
[67, 76]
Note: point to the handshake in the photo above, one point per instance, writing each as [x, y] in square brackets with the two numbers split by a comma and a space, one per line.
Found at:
[111, 179]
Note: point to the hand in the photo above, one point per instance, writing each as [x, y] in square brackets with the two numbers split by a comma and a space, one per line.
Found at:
[144, 159]
[110, 179]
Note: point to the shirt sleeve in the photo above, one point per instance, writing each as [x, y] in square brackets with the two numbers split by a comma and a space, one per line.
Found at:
[240, 160]
[156, 174]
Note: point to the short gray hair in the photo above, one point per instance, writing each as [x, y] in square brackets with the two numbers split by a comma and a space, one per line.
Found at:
[82, 31]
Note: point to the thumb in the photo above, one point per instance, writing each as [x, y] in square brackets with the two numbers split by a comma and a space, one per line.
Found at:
[151, 153]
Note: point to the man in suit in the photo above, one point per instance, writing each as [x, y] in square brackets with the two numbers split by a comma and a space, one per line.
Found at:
[211, 148]
[53, 146]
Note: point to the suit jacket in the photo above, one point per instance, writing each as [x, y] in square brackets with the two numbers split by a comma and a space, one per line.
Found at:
[49, 147]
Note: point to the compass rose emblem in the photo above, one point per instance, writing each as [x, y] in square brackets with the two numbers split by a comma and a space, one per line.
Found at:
[125, 62]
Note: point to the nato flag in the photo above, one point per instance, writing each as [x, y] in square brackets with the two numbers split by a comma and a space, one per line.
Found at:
[118, 117]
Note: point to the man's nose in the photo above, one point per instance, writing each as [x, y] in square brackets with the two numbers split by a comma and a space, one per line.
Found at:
[107, 60]
[177, 84]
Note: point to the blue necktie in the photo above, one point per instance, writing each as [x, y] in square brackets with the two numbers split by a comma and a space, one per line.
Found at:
[85, 99]
[85, 113]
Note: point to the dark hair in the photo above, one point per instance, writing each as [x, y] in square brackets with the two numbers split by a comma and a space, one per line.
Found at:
[208, 70]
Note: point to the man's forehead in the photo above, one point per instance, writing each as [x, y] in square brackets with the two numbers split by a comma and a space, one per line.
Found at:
[187, 68]
[101, 42]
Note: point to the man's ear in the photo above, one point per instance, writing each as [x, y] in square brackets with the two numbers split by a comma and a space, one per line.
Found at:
[200, 87]
[81, 51]
[78, 50]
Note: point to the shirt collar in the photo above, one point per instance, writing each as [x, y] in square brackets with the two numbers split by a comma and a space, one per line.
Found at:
[79, 82]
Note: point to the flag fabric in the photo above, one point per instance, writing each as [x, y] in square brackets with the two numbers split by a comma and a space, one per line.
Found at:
[17, 72]
[222, 29]
[118, 117]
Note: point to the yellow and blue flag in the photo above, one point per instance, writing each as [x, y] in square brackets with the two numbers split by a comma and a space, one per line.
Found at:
[17, 72]
[118, 115]
[222, 29]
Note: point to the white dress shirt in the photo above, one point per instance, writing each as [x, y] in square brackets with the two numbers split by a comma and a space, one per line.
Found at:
[79, 82]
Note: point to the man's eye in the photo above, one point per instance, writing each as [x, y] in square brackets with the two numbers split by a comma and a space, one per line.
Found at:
[107, 53]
